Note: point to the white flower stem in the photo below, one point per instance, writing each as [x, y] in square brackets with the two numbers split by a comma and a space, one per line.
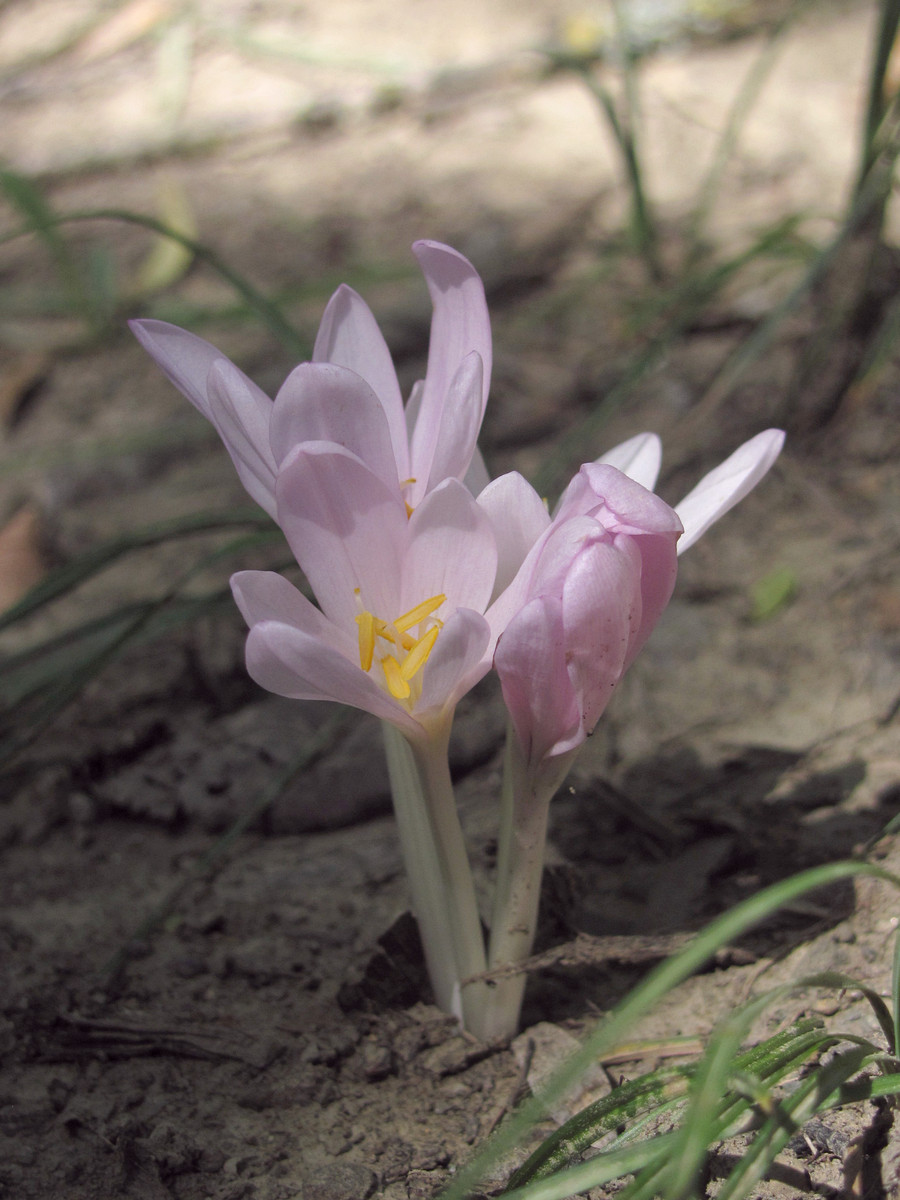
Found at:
[524, 808]
[443, 892]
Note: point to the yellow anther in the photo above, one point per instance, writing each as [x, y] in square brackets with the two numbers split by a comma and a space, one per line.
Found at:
[397, 685]
[405, 483]
[366, 622]
[419, 613]
[418, 655]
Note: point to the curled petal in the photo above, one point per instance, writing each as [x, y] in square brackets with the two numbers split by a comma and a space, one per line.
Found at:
[184, 357]
[349, 337]
[241, 413]
[518, 517]
[290, 662]
[459, 325]
[618, 503]
[224, 395]
[728, 483]
[346, 528]
[457, 433]
[639, 458]
[322, 402]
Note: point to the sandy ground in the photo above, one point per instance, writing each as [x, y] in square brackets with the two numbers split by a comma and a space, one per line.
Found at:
[269, 1035]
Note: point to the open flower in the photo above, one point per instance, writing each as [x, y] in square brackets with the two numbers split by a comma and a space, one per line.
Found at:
[349, 394]
[588, 592]
[399, 630]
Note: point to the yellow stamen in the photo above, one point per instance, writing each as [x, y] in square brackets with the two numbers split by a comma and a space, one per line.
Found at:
[397, 685]
[366, 623]
[405, 483]
[419, 613]
[418, 655]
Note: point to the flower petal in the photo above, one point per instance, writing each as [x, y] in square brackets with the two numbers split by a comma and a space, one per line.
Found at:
[349, 337]
[639, 458]
[241, 414]
[290, 662]
[518, 517]
[459, 659]
[459, 325]
[601, 600]
[322, 402]
[451, 551]
[477, 477]
[347, 530]
[458, 430]
[728, 483]
[266, 596]
[184, 357]
[531, 662]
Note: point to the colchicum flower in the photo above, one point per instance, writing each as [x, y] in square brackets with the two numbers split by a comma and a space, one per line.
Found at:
[426, 575]
[583, 601]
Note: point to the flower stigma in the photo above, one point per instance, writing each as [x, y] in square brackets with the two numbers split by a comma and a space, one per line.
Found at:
[400, 655]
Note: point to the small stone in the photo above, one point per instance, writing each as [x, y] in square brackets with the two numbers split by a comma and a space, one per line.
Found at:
[339, 1181]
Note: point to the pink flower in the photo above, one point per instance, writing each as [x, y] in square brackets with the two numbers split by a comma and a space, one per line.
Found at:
[400, 630]
[349, 395]
[583, 599]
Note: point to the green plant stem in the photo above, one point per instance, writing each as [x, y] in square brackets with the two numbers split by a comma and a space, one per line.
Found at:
[443, 892]
[524, 808]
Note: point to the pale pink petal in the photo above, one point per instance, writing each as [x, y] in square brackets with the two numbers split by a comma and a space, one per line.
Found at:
[659, 571]
[290, 662]
[346, 528]
[413, 405]
[531, 662]
[639, 458]
[184, 357]
[728, 483]
[518, 517]
[321, 402]
[349, 337]
[544, 568]
[241, 414]
[620, 504]
[459, 325]
[451, 551]
[477, 477]
[601, 600]
[458, 431]
[459, 659]
[266, 596]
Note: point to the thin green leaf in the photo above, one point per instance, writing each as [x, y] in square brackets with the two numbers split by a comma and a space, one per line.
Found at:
[612, 1030]
[87, 565]
[265, 310]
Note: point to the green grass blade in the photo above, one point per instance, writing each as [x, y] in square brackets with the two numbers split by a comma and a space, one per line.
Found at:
[811, 1097]
[268, 313]
[66, 689]
[724, 930]
[595, 1172]
[44, 224]
[67, 577]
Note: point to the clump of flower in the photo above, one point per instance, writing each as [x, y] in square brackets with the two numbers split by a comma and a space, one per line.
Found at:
[427, 576]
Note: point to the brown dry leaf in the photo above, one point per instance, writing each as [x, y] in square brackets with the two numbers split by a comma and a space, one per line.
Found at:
[21, 560]
[17, 379]
[124, 27]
